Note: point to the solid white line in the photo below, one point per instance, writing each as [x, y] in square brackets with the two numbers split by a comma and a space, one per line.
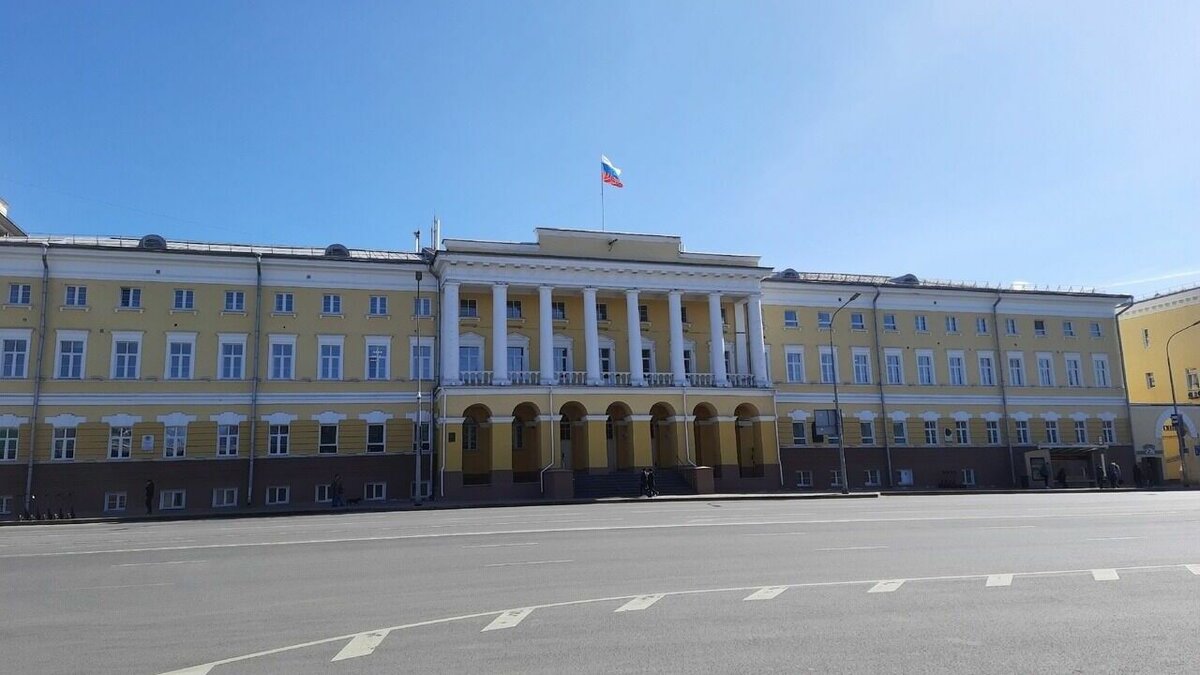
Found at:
[106, 588]
[852, 548]
[639, 603]
[773, 534]
[529, 543]
[531, 562]
[1112, 538]
[887, 586]
[363, 644]
[1194, 569]
[508, 619]
[1008, 527]
[1105, 575]
[169, 562]
[768, 593]
[996, 580]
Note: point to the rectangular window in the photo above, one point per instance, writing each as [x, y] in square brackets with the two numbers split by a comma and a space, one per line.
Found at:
[1150, 380]
[790, 319]
[835, 478]
[1193, 379]
[857, 322]
[331, 361]
[993, 432]
[20, 294]
[824, 320]
[172, 500]
[1094, 329]
[871, 477]
[795, 363]
[8, 444]
[981, 325]
[224, 497]
[279, 494]
[235, 301]
[282, 360]
[889, 322]
[683, 313]
[1039, 328]
[331, 303]
[227, 440]
[378, 305]
[70, 359]
[131, 298]
[233, 357]
[6, 502]
[601, 312]
[1074, 371]
[895, 367]
[120, 442]
[1100, 369]
[63, 447]
[828, 366]
[1045, 370]
[862, 366]
[1108, 431]
[277, 439]
[920, 324]
[179, 360]
[284, 303]
[1069, 328]
[422, 306]
[931, 436]
[324, 493]
[185, 298]
[558, 311]
[647, 358]
[14, 358]
[1146, 337]
[470, 359]
[516, 359]
[867, 431]
[1080, 431]
[375, 437]
[1010, 326]
[987, 370]
[799, 434]
[76, 296]
[377, 361]
[115, 502]
[962, 432]
[925, 367]
[470, 435]
[951, 324]
[643, 313]
[375, 492]
[421, 366]
[328, 444]
[1022, 432]
[900, 432]
[512, 309]
[1052, 431]
[174, 442]
[804, 478]
[1016, 370]
[688, 362]
[958, 369]
[468, 308]
[968, 476]
[518, 435]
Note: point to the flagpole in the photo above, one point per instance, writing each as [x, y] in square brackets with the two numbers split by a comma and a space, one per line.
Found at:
[601, 203]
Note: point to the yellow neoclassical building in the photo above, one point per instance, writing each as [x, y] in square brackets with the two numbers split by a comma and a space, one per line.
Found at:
[273, 376]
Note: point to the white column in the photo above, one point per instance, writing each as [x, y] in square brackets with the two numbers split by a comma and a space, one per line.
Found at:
[499, 333]
[591, 336]
[716, 337]
[758, 355]
[739, 337]
[636, 377]
[546, 334]
[675, 320]
[450, 373]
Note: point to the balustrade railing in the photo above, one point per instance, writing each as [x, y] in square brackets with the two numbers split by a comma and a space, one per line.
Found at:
[475, 377]
[607, 379]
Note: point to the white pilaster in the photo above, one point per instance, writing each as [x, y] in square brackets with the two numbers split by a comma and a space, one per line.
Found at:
[546, 334]
[758, 354]
[591, 336]
[450, 372]
[636, 377]
[499, 333]
[716, 337]
[675, 319]
[739, 337]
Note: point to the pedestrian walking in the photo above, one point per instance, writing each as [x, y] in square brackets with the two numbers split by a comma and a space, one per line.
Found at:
[1044, 474]
[1137, 475]
[650, 482]
[1100, 476]
[1114, 475]
[335, 491]
[644, 485]
[149, 496]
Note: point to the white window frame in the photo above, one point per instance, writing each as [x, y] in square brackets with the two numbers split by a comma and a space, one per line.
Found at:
[188, 339]
[227, 443]
[1045, 368]
[25, 336]
[415, 360]
[828, 361]
[1073, 363]
[331, 304]
[513, 309]
[468, 308]
[902, 426]
[115, 502]
[1080, 429]
[1011, 327]
[558, 311]
[930, 430]
[224, 497]
[1052, 431]
[804, 478]
[278, 495]
[235, 300]
[62, 446]
[1068, 328]
[383, 373]
[992, 429]
[323, 493]
[9, 442]
[1095, 330]
[835, 478]
[968, 477]
[857, 321]
[75, 295]
[6, 502]
[1039, 328]
[981, 325]
[1108, 431]
[793, 358]
[895, 376]
[951, 357]
[791, 318]
[183, 299]
[130, 297]
[375, 491]
[172, 500]
[931, 371]
[889, 323]
[120, 442]
[382, 444]
[336, 346]
[231, 339]
[860, 360]
[324, 448]
[871, 478]
[1016, 371]
[920, 323]
[802, 438]
[824, 320]
[134, 337]
[62, 336]
[377, 305]
[866, 431]
[962, 432]
[285, 303]
[281, 340]
[1101, 374]
[987, 368]
[279, 439]
[951, 324]
[422, 306]
[20, 294]
[1023, 436]
[175, 441]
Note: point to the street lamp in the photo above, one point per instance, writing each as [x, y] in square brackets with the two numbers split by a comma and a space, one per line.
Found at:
[418, 436]
[837, 406]
[1180, 430]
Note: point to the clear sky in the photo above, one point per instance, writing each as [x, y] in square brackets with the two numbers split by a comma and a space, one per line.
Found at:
[1049, 142]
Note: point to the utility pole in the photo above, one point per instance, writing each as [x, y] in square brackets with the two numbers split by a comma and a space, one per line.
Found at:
[1176, 418]
[837, 407]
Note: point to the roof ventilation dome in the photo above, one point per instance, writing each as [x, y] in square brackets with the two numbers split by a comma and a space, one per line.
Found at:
[789, 273]
[337, 252]
[152, 242]
[906, 280]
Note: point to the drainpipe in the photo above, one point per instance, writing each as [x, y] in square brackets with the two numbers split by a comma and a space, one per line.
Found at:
[436, 394]
[879, 373]
[37, 373]
[778, 449]
[687, 436]
[257, 375]
[1125, 383]
[1012, 461]
[553, 447]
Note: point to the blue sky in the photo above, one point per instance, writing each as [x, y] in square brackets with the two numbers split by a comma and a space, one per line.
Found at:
[1055, 143]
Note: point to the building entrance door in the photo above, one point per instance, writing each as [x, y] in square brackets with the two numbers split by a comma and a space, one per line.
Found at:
[564, 442]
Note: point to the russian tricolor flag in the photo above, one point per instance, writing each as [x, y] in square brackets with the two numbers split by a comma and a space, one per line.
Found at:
[609, 173]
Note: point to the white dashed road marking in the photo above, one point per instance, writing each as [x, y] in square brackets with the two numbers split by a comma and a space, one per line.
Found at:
[852, 548]
[508, 619]
[1112, 538]
[168, 562]
[768, 593]
[109, 588]
[1105, 575]
[362, 645]
[887, 586]
[639, 603]
[995, 580]
[530, 543]
[1194, 569]
[530, 562]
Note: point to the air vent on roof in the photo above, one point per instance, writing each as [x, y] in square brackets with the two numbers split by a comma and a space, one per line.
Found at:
[789, 273]
[337, 251]
[152, 242]
[907, 280]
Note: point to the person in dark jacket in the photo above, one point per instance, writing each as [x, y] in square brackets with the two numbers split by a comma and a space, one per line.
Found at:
[1100, 476]
[1061, 477]
[1114, 475]
[149, 496]
[650, 482]
[1137, 476]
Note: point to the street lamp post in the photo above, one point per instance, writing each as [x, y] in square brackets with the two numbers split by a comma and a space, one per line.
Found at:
[837, 406]
[418, 436]
[1180, 429]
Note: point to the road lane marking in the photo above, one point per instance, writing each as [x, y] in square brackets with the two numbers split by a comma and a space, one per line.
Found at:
[363, 644]
[528, 543]
[1194, 569]
[167, 562]
[529, 562]
[639, 603]
[508, 619]
[1105, 575]
[773, 534]
[1009, 527]
[1111, 538]
[997, 580]
[852, 548]
[107, 588]
[887, 586]
[767, 593]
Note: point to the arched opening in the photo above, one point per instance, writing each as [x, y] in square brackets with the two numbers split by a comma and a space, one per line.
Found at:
[572, 436]
[618, 435]
[662, 435]
[476, 445]
[749, 441]
[707, 437]
[526, 444]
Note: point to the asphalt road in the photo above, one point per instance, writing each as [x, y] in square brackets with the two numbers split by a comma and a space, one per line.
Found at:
[988, 583]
